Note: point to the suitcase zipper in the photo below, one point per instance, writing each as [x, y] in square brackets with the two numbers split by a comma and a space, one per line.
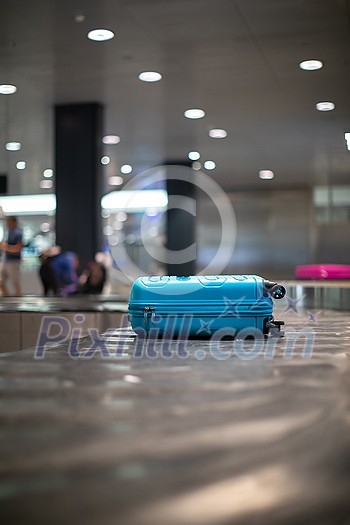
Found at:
[146, 311]
[249, 310]
[149, 312]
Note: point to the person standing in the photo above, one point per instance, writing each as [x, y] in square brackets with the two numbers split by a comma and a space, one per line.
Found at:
[12, 264]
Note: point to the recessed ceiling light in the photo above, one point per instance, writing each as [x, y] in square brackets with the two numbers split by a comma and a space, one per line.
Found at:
[115, 181]
[197, 166]
[126, 169]
[21, 165]
[209, 165]
[194, 155]
[13, 146]
[217, 133]
[266, 174]
[150, 76]
[46, 184]
[194, 113]
[325, 106]
[100, 35]
[108, 230]
[7, 89]
[105, 160]
[48, 173]
[111, 139]
[122, 216]
[311, 65]
[45, 227]
[79, 18]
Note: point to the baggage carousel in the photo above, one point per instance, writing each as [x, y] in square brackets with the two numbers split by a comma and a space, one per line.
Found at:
[21, 318]
[181, 433]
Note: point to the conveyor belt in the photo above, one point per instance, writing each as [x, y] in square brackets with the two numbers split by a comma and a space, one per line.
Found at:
[321, 294]
[21, 318]
[131, 438]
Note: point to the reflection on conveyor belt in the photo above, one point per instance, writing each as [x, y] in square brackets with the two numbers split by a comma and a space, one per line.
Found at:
[180, 441]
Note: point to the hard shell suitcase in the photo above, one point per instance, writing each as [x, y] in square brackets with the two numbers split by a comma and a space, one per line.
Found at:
[198, 306]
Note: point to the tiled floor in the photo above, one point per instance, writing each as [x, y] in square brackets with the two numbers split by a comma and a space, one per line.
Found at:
[228, 434]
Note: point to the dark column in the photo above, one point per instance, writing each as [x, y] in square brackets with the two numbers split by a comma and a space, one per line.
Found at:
[180, 223]
[78, 148]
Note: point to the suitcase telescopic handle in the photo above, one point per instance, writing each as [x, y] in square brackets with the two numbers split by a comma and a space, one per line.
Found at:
[277, 291]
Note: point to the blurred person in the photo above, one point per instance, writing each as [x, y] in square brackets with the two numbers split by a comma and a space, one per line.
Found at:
[58, 272]
[93, 279]
[46, 273]
[12, 248]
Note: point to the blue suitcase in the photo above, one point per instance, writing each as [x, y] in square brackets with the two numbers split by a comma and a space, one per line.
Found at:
[199, 306]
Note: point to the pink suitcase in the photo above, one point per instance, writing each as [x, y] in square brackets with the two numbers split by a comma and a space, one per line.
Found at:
[323, 271]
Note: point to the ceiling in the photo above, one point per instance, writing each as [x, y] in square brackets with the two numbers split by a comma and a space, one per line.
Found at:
[236, 59]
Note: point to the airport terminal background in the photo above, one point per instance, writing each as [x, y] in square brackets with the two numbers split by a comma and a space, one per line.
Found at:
[276, 230]
[242, 68]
